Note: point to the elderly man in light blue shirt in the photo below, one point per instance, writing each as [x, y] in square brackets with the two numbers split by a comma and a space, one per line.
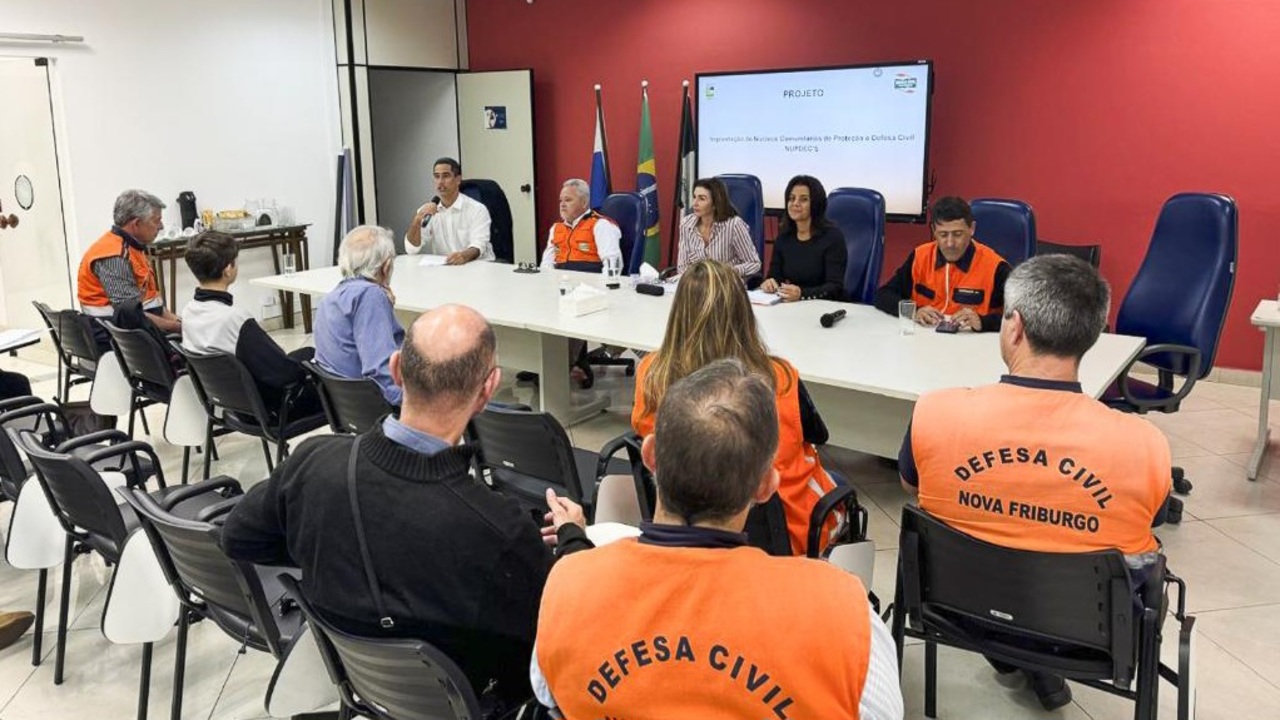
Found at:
[355, 327]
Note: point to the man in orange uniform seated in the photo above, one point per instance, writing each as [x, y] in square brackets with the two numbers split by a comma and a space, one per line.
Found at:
[116, 268]
[701, 625]
[1031, 462]
[583, 237]
[954, 277]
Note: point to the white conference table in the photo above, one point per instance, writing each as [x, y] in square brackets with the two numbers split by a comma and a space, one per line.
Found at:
[863, 375]
[1266, 317]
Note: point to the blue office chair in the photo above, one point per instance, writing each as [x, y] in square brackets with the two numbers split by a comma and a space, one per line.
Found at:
[859, 213]
[1006, 226]
[1178, 302]
[627, 210]
[747, 196]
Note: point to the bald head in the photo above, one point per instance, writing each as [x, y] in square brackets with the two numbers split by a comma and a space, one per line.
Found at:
[447, 356]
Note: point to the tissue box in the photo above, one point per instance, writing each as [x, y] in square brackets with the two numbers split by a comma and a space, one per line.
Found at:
[583, 300]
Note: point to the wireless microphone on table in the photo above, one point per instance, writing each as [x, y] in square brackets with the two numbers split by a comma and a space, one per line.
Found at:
[831, 318]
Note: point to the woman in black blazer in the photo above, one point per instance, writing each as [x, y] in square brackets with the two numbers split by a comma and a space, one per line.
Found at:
[809, 255]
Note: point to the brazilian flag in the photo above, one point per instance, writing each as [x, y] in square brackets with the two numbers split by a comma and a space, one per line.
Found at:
[647, 182]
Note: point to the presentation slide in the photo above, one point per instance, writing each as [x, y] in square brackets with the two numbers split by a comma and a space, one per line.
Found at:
[849, 127]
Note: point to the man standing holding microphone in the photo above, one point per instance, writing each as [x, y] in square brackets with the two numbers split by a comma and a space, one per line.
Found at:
[451, 224]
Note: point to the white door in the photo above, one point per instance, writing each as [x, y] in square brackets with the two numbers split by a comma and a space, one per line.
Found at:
[33, 254]
[495, 137]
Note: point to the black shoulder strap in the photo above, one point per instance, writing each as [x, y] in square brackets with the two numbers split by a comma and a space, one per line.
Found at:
[383, 618]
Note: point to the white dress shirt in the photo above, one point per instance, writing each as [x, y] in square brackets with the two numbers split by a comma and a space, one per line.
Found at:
[464, 224]
[607, 234]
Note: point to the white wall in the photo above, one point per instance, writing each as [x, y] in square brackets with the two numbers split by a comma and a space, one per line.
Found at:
[231, 99]
[415, 121]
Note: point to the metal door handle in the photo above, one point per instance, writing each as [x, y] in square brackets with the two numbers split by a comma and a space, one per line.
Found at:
[526, 188]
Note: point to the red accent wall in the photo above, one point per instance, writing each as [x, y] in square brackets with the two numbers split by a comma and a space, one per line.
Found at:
[1094, 111]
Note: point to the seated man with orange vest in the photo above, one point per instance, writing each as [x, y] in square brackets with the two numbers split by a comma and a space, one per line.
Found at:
[582, 238]
[115, 268]
[1031, 462]
[954, 277]
[699, 624]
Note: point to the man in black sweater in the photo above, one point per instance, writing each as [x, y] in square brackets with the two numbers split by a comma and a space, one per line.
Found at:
[456, 564]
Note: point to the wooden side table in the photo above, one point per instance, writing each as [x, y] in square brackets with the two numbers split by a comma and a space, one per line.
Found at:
[290, 238]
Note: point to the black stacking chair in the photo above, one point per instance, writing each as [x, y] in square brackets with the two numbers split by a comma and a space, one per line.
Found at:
[92, 519]
[523, 453]
[1077, 615]
[245, 600]
[78, 352]
[389, 679]
[147, 368]
[352, 406]
[224, 384]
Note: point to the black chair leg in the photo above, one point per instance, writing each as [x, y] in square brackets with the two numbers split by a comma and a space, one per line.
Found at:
[37, 636]
[1148, 685]
[133, 412]
[898, 625]
[266, 451]
[208, 448]
[186, 463]
[144, 682]
[930, 679]
[143, 414]
[64, 607]
[180, 663]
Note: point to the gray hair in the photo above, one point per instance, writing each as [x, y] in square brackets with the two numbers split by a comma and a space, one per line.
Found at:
[716, 435]
[1063, 303]
[135, 205]
[584, 190]
[364, 251]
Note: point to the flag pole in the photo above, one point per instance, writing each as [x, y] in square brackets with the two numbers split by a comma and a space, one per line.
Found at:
[677, 197]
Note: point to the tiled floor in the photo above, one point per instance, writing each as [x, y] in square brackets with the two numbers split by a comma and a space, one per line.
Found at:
[1227, 548]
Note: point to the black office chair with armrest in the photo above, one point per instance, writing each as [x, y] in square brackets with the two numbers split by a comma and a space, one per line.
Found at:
[525, 453]
[224, 383]
[146, 366]
[1076, 615]
[1091, 254]
[1006, 226]
[1178, 301]
[388, 679]
[246, 601]
[859, 213]
[352, 406]
[78, 351]
[94, 521]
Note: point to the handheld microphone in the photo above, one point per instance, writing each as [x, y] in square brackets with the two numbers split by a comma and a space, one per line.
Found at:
[650, 289]
[831, 318]
[435, 200]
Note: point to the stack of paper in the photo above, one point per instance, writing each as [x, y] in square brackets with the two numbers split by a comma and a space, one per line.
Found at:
[760, 297]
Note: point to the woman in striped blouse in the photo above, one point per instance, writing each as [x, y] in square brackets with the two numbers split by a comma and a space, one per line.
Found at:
[715, 232]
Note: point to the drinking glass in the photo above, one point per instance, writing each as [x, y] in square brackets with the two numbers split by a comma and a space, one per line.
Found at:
[290, 263]
[907, 317]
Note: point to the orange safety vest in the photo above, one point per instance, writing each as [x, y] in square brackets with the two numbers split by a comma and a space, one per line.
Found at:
[950, 287]
[93, 297]
[802, 479]
[702, 633]
[1039, 469]
[577, 243]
